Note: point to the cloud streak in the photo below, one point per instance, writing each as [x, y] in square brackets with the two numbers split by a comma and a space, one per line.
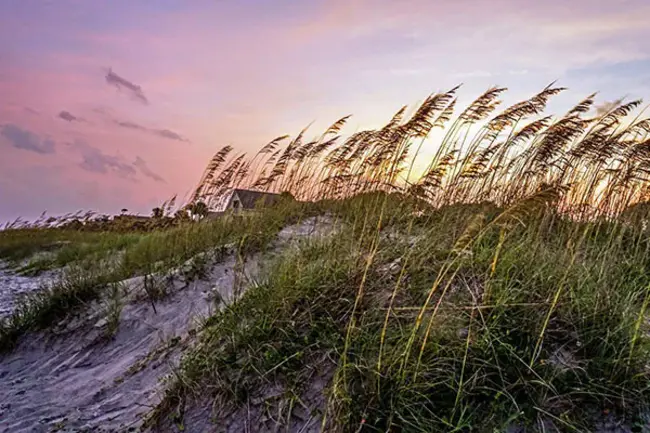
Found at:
[69, 117]
[164, 133]
[130, 125]
[141, 165]
[95, 160]
[127, 124]
[122, 83]
[26, 140]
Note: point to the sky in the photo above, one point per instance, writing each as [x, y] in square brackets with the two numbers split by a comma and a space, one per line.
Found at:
[106, 105]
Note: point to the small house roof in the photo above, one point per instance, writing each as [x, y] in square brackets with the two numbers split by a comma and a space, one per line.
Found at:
[249, 198]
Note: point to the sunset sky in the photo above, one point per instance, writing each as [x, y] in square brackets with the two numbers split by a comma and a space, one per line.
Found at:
[119, 104]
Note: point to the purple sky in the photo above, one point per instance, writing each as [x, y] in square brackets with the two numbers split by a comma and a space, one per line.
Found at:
[113, 104]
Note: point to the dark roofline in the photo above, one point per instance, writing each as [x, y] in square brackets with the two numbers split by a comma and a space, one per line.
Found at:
[248, 197]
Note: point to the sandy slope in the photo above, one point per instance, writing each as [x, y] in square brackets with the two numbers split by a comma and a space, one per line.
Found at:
[75, 379]
[13, 287]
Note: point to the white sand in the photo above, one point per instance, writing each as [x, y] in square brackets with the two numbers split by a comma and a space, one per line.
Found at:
[75, 379]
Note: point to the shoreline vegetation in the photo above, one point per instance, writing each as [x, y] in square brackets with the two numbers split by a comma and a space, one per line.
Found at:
[505, 288]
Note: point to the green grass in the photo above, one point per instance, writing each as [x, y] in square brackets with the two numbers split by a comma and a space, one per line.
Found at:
[75, 249]
[94, 266]
[46, 307]
[485, 352]
[63, 245]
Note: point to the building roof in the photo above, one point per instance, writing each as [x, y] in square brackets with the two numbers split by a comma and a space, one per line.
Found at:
[250, 198]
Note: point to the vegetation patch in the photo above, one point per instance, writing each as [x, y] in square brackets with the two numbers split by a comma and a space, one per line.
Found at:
[87, 276]
[529, 321]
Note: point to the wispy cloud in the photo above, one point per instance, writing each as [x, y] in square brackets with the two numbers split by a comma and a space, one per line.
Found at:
[164, 133]
[122, 83]
[127, 124]
[141, 165]
[96, 161]
[23, 139]
[69, 117]
[31, 111]
[130, 125]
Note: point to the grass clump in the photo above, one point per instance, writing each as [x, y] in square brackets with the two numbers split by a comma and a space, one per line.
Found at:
[113, 307]
[60, 246]
[75, 249]
[53, 303]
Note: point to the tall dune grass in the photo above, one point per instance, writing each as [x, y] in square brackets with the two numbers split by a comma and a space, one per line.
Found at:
[598, 159]
[505, 286]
